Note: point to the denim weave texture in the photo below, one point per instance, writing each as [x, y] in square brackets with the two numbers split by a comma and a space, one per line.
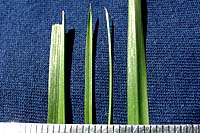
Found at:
[172, 55]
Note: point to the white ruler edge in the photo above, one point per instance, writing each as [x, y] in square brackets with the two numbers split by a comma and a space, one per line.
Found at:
[103, 128]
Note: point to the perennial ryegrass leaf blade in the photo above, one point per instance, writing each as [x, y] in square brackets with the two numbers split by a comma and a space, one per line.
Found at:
[110, 70]
[142, 74]
[56, 85]
[88, 72]
[137, 97]
[132, 79]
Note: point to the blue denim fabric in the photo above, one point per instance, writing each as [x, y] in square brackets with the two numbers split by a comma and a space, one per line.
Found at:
[172, 52]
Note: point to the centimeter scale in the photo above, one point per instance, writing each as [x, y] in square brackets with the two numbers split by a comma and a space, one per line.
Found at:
[82, 128]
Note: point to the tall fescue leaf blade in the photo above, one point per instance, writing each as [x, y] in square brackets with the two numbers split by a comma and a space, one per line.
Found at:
[88, 72]
[136, 70]
[56, 86]
[61, 106]
[110, 70]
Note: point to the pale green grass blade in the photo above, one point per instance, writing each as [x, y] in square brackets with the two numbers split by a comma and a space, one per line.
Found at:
[137, 97]
[88, 72]
[110, 70]
[132, 79]
[61, 107]
[56, 92]
[52, 112]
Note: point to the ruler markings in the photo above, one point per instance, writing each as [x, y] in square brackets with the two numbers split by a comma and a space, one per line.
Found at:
[81, 128]
[122, 129]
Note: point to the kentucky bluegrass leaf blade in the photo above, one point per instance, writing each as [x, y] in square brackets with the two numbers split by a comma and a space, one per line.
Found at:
[110, 69]
[137, 97]
[88, 72]
[56, 86]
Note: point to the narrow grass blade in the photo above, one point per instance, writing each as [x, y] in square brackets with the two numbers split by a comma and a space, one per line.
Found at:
[56, 90]
[88, 72]
[110, 70]
[136, 71]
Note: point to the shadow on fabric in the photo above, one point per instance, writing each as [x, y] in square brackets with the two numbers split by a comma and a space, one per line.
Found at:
[112, 52]
[69, 43]
[94, 42]
[144, 20]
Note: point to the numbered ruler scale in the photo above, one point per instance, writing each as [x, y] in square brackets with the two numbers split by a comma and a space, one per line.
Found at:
[79, 128]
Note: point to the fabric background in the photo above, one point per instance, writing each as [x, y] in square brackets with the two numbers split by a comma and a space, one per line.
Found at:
[172, 52]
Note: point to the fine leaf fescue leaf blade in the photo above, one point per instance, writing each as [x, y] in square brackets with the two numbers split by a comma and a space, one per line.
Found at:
[88, 72]
[137, 97]
[110, 69]
[56, 90]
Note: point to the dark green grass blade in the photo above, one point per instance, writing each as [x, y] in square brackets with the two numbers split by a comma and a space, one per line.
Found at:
[56, 96]
[88, 72]
[136, 71]
[142, 80]
[110, 70]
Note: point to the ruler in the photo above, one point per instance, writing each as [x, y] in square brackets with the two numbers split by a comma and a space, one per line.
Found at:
[82, 128]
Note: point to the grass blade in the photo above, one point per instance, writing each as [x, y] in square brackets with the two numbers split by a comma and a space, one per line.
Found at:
[136, 72]
[56, 92]
[110, 70]
[88, 72]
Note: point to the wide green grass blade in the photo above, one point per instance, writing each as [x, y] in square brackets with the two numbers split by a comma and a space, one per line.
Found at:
[137, 97]
[110, 70]
[56, 86]
[88, 72]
